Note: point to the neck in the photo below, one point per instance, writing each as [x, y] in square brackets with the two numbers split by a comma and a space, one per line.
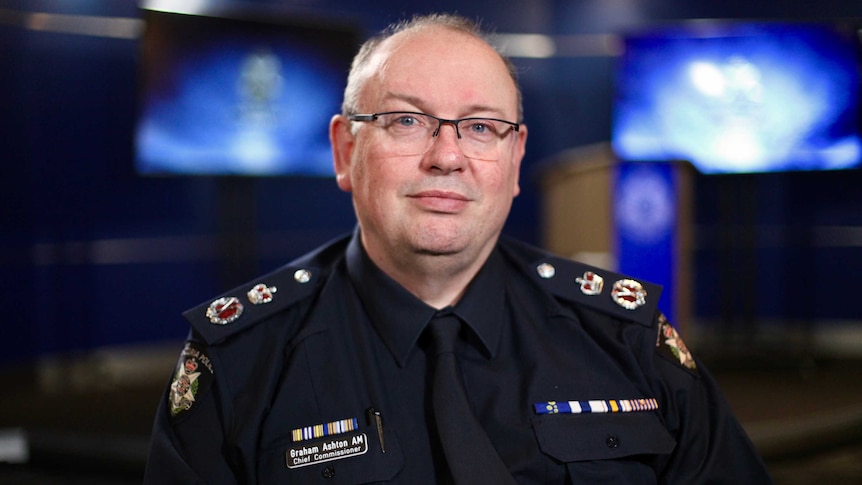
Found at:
[437, 280]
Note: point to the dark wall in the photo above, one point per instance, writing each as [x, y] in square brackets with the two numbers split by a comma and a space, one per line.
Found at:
[92, 254]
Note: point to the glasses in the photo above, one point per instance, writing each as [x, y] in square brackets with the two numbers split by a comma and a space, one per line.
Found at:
[413, 133]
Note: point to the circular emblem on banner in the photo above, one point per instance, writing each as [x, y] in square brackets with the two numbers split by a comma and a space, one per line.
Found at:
[628, 294]
[224, 310]
[645, 206]
[192, 378]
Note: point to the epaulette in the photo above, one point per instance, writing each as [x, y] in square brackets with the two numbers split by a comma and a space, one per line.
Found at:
[242, 307]
[245, 305]
[608, 292]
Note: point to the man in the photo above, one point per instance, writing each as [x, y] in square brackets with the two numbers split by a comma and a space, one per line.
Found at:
[336, 368]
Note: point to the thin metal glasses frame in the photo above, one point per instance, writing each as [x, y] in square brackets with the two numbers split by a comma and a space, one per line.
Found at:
[440, 121]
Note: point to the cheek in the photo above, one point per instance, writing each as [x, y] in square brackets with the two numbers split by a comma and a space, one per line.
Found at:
[359, 169]
[512, 177]
[501, 182]
[371, 177]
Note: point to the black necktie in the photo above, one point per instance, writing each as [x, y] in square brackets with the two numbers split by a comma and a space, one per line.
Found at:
[471, 457]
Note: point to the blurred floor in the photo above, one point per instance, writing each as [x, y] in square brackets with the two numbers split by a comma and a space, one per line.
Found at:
[805, 417]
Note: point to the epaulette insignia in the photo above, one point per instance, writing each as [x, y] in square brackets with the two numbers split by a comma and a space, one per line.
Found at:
[627, 298]
[261, 294]
[670, 344]
[629, 294]
[591, 283]
[224, 310]
[228, 314]
[192, 378]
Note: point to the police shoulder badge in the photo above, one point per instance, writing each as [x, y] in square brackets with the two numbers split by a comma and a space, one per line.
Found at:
[192, 378]
[670, 344]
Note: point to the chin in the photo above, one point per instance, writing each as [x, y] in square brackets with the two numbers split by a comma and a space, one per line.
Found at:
[439, 246]
[444, 238]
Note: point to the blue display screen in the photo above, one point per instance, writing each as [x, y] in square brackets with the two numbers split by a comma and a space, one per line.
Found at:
[737, 97]
[228, 96]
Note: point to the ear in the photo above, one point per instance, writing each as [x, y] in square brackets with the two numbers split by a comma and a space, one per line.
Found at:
[518, 152]
[342, 141]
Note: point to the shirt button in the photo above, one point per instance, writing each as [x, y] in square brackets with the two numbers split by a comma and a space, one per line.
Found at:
[612, 441]
[328, 472]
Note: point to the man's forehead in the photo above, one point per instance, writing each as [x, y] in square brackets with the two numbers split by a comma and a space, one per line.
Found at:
[444, 51]
[432, 31]
[403, 43]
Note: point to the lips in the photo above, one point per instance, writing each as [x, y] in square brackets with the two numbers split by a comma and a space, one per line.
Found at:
[441, 200]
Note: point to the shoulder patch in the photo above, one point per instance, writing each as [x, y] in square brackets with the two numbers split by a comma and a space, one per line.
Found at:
[606, 291]
[193, 377]
[670, 344]
[246, 305]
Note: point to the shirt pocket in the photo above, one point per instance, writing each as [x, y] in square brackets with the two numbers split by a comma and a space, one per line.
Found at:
[351, 458]
[572, 438]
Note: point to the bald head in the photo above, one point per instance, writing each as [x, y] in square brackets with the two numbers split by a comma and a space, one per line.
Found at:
[366, 60]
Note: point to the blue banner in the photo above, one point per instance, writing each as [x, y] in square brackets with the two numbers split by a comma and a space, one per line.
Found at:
[646, 226]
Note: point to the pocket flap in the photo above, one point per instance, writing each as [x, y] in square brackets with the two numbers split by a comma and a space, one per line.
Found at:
[582, 437]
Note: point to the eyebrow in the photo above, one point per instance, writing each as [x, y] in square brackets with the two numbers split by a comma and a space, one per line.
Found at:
[418, 103]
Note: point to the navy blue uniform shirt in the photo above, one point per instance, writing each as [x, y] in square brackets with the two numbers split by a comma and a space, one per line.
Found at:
[326, 380]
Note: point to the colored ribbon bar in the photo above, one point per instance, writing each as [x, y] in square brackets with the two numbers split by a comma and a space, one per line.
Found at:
[596, 406]
[326, 429]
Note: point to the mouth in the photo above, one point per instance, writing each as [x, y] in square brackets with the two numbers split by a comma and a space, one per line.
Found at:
[442, 201]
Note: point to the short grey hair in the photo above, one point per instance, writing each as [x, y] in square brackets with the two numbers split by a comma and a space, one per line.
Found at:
[356, 80]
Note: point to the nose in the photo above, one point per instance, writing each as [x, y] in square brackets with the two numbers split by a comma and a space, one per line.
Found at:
[454, 124]
[444, 155]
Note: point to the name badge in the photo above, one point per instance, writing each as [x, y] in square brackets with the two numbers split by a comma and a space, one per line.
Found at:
[325, 450]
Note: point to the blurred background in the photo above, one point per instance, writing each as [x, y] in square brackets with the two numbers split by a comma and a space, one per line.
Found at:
[157, 153]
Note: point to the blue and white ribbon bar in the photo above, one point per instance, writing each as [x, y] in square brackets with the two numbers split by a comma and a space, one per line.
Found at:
[326, 429]
[596, 406]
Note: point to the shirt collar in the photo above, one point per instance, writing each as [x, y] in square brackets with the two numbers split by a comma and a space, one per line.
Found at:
[400, 318]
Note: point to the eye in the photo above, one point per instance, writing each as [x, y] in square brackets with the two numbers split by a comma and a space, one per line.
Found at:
[481, 127]
[406, 120]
